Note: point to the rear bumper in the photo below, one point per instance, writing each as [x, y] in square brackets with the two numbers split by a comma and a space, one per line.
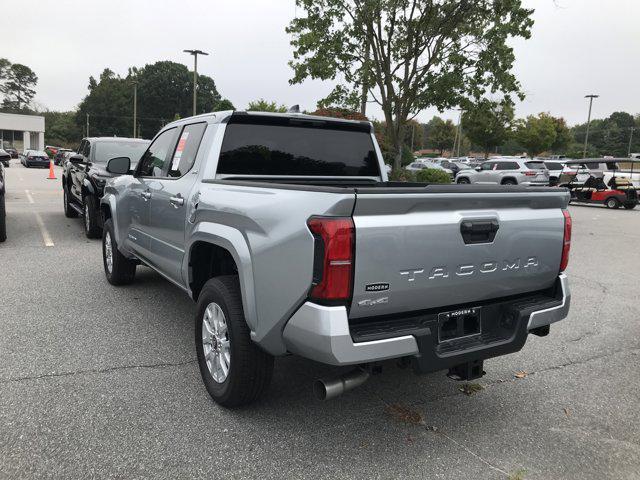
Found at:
[323, 334]
[32, 163]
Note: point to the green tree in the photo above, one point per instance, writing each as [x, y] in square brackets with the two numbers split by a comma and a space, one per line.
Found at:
[4, 68]
[109, 105]
[18, 86]
[440, 134]
[263, 106]
[488, 123]
[165, 92]
[536, 133]
[414, 135]
[610, 136]
[564, 136]
[408, 54]
[61, 129]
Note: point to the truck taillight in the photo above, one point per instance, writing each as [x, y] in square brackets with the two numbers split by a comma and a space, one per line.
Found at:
[566, 241]
[333, 258]
[529, 173]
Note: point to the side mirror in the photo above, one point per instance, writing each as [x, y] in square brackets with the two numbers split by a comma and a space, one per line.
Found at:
[119, 165]
[76, 159]
[477, 169]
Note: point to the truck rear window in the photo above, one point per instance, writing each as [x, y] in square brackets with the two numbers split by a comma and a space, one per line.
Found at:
[289, 147]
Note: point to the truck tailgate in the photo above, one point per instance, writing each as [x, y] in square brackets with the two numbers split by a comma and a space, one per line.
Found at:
[446, 246]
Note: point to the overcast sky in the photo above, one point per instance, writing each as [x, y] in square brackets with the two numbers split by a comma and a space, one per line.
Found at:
[577, 47]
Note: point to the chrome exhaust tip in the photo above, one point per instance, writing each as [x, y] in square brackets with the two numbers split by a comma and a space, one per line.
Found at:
[328, 388]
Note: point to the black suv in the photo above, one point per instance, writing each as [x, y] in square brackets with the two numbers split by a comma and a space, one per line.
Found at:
[85, 175]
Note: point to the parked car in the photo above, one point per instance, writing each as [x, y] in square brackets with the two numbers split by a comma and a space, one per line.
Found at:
[455, 167]
[3, 211]
[12, 151]
[280, 228]
[84, 177]
[422, 165]
[35, 158]
[5, 158]
[513, 171]
[65, 158]
[57, 158]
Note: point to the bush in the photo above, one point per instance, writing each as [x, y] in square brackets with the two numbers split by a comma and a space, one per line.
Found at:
[402, 175]
[431, 175]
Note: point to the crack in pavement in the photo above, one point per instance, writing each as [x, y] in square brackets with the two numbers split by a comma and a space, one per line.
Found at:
[94, 371]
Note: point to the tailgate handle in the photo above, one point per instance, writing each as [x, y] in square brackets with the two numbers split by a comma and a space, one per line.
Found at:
[479, 231]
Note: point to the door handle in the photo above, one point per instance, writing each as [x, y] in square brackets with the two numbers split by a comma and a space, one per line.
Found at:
[145, 195]
[479, 231]
[176, 201]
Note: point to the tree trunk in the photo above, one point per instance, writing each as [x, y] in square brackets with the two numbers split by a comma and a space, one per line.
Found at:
[397, 141]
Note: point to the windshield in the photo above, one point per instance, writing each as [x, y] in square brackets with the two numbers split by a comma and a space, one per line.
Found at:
[284, 147]
[105, 151]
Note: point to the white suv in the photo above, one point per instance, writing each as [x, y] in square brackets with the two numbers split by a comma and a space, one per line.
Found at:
[512, 171]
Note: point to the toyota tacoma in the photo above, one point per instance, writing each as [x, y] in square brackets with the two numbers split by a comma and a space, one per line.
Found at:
[285, 231]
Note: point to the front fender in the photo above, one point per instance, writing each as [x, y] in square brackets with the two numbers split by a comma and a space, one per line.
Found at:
[234, 242]
[109, 200]
[88, 187]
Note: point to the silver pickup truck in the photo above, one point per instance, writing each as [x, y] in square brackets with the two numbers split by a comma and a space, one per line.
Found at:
[285, 231]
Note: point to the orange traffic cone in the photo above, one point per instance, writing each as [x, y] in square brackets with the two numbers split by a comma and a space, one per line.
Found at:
[52, 175]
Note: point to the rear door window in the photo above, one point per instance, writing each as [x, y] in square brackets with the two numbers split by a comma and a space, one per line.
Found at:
[285, 146]
[508, 166]
[186, 150]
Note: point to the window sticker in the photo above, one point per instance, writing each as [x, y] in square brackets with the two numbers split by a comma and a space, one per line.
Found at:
[179, 149]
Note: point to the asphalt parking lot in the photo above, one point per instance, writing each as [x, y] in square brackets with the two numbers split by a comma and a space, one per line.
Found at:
[98, 381]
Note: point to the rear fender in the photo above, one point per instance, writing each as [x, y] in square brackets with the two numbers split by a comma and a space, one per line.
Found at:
[234, 242]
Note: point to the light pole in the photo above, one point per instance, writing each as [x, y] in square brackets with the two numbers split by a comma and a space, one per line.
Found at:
[135, 106]
[586, 137]
[458, 135]
[195, 54]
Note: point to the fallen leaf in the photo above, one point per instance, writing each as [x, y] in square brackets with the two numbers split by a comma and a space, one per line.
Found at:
[566, 411]
[521, 374]
[470, 388]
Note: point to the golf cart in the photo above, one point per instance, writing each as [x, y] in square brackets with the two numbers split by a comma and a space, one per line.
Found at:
[618, 192]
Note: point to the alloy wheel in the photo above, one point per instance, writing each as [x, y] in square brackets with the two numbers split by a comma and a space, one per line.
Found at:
[215, 342]
[87, 220]
[108, 252]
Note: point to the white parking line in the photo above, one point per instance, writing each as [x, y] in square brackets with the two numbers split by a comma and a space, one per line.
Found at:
[29, 197]
[48, 242]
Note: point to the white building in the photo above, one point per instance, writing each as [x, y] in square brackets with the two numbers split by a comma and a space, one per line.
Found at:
[22, 132]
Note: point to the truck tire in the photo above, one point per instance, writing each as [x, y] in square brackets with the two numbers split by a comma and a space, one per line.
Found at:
[3, 220]
[629, 206]
[91, 226]
[509, 181]
[69, 212]
[463, 180]
[118, 269]
[234, 370]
